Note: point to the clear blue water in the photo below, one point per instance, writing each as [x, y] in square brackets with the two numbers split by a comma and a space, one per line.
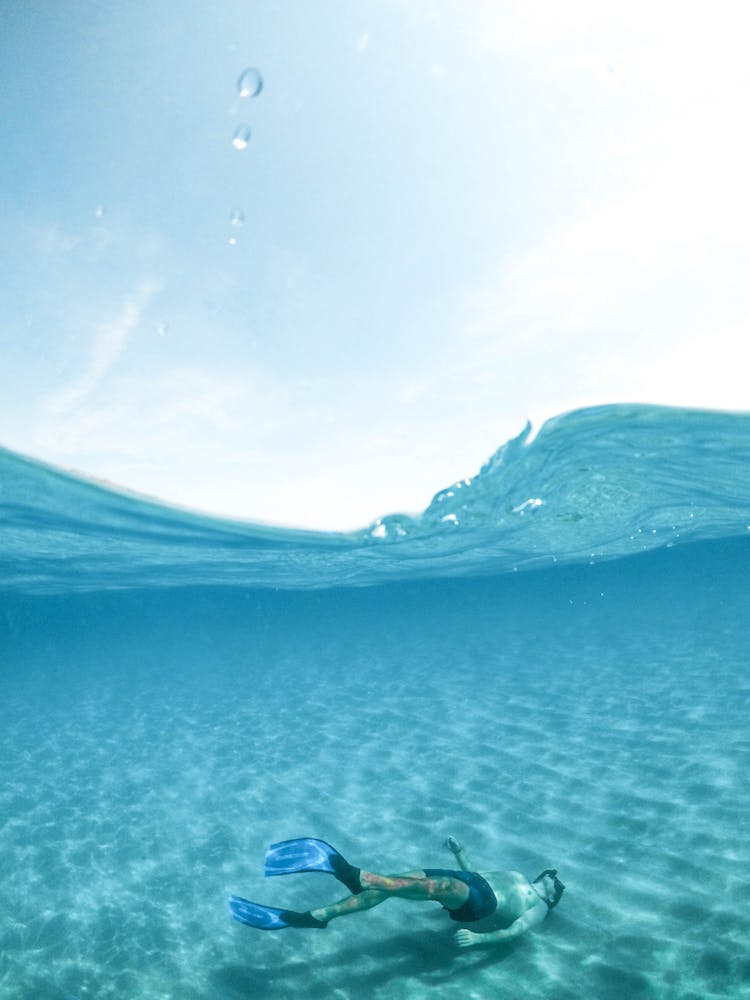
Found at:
[550, 664]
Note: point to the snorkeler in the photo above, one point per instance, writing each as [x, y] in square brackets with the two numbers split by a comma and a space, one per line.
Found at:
[506, 903]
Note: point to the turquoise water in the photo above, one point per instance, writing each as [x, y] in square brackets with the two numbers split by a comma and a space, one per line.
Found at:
[551, 664]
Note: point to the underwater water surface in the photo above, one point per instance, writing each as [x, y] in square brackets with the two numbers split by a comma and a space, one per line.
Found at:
[550, 664]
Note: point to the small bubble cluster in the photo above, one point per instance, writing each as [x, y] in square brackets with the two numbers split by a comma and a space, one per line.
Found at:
[249, 84]
[236, 221]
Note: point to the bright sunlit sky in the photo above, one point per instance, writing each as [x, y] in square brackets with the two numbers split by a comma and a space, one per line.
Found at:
[454, 216]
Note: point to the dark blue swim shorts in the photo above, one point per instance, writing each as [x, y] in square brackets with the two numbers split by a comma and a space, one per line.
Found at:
[481, 902]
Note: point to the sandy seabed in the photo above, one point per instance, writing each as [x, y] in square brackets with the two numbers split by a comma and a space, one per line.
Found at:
[130, 808]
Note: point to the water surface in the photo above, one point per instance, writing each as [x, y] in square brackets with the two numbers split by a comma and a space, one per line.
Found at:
[557, 684]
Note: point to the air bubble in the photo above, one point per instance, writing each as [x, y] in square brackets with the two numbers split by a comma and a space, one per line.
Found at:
[241, 137]
[531, 504]
[250, 83]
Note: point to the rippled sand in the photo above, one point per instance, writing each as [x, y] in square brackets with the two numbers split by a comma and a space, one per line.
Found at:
[137, 796]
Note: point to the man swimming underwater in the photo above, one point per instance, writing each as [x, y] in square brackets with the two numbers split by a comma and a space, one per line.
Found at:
[506, 903]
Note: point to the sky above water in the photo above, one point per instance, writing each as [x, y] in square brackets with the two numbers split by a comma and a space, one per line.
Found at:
[446, 218]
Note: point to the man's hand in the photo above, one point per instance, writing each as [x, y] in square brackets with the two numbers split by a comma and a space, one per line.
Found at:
[465, 939]
[453, 845]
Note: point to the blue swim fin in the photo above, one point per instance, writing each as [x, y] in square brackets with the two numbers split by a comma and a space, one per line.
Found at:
[268, 918]
[307, 854]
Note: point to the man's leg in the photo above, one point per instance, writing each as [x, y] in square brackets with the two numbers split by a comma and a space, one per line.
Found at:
[451, 892]
[351, 904]
[445, 889]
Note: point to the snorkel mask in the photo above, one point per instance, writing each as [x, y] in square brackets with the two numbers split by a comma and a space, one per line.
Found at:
[559, 887]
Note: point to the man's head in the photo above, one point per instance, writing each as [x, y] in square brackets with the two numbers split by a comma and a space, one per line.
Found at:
[549, 887]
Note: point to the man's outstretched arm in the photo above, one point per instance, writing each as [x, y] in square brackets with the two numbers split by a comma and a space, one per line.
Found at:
[455, 848]
[532, 918]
